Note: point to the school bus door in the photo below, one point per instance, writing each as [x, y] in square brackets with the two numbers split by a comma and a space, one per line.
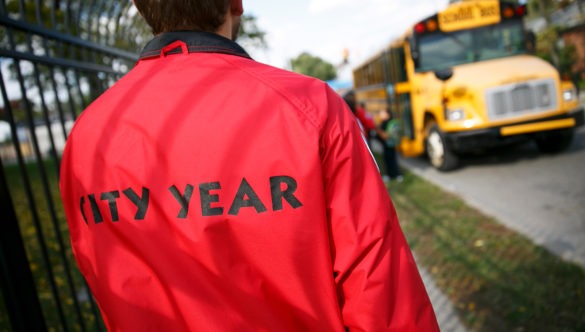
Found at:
[399, 99]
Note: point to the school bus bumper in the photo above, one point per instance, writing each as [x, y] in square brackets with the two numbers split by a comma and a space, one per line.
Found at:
[467, 141]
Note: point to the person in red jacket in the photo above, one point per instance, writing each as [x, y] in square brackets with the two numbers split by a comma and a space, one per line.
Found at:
[205, 191]
[366, 122]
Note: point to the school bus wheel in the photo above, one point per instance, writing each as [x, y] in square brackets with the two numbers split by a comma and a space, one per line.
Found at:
[437, 150]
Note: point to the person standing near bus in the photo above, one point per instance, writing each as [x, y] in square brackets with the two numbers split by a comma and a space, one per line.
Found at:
[281, 223]
[390, 139]
[364, 120]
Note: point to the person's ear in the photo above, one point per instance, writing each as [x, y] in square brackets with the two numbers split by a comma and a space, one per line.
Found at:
[236, 7]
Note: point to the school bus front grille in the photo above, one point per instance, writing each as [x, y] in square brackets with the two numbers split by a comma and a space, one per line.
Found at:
[518, 99]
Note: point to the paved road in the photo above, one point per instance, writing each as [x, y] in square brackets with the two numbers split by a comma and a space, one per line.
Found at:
[540, 196]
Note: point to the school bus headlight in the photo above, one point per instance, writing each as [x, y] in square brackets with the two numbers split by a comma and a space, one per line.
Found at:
[569, 95]
[456, 114]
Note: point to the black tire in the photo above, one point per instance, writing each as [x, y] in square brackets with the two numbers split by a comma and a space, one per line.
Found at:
[554, 141]
[439, 154]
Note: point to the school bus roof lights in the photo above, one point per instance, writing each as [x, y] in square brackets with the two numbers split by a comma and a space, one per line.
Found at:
[520, 10]
[426, 26]
[420, 28]
[513, 11]
[508, 12]
[431, 25]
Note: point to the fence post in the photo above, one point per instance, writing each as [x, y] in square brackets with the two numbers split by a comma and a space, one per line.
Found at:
[20, 295]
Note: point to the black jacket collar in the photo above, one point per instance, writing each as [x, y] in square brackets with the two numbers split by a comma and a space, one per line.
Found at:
[196, 41]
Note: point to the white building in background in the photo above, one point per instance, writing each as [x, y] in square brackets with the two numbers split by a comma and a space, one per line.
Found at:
[25, 138]
[43, 138]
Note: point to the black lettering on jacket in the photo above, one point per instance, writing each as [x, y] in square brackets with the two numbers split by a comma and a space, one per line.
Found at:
[111, 197]
[81, 204]
[282, 189]
[95, 210]
[278, 195]
[141, 203]
[207, 199]
[183, 200]
[245, 190]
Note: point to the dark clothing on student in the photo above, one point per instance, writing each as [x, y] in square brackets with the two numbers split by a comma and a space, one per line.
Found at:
[390, 154]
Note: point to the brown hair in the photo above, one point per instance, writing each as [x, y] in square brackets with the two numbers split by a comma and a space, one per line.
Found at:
[174, 15]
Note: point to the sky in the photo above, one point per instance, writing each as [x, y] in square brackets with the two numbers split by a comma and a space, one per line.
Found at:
[324, 28]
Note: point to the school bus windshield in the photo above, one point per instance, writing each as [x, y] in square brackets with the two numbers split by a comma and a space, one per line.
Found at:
[441, 50]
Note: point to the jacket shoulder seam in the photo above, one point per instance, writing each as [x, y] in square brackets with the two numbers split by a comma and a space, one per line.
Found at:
[303, 108]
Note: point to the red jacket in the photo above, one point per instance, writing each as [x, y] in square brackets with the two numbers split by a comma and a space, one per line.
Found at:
[208, 192]
[365, 119]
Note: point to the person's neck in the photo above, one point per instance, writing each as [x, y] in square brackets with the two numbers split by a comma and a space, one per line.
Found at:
[226, 28]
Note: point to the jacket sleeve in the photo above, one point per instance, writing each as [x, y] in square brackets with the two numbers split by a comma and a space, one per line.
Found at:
[365, 119]
[378, 284]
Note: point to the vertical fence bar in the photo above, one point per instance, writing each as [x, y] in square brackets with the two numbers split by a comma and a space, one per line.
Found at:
[44, 180]
[46, 186]
[19, 290]
[18, 287]
[51, 204]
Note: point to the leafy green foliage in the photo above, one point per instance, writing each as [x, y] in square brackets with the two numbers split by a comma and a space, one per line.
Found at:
[250, 34]
[547, 38]
[313, 66]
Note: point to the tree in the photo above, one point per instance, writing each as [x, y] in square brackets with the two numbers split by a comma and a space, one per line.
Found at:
[313, 66]
[250, 35]
[547, 39]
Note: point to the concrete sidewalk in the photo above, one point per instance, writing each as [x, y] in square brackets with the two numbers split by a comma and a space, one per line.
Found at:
[444, 309]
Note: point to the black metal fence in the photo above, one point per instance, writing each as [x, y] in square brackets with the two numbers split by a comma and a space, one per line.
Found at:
[55, 57]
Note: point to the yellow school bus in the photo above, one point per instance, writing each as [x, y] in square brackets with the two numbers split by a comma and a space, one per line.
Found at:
[465, 80]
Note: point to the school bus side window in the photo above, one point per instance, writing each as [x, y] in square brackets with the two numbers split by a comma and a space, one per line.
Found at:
[399, 65]
[400, 102]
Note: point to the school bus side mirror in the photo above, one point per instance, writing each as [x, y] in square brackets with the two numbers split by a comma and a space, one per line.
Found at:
[444, 74]
[413, 50]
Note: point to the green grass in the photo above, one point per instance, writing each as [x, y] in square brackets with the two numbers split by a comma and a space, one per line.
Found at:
[497, 279]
